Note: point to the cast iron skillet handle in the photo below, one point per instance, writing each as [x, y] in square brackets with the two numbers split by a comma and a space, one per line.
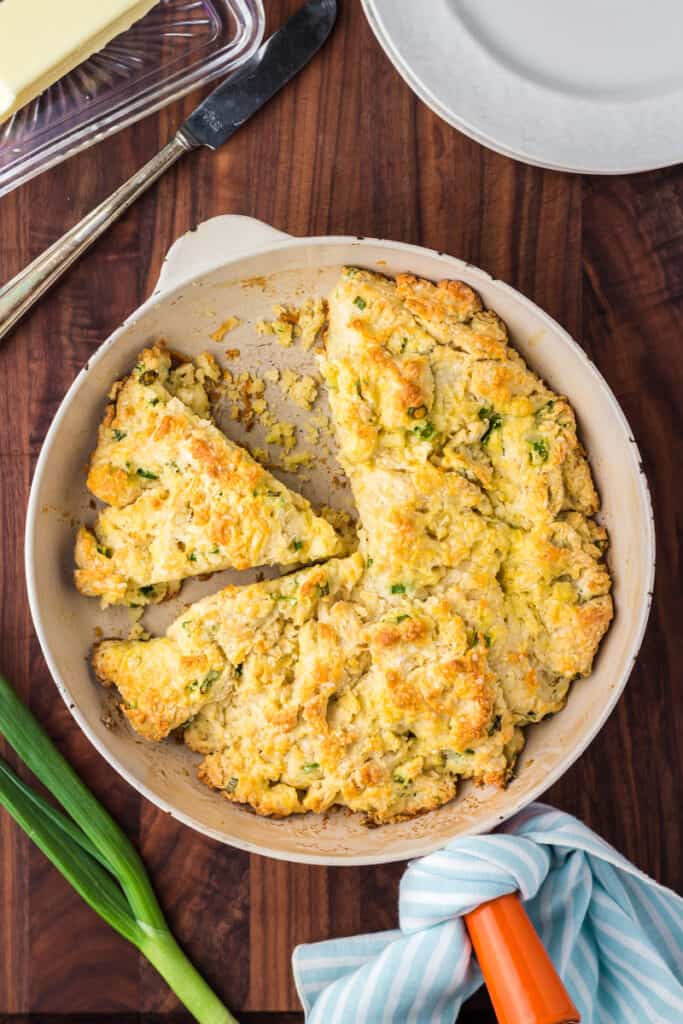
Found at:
[522, 982]
[19, 294]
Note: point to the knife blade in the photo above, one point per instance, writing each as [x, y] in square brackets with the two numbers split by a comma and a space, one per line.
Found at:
[274, 64]
[213, 122]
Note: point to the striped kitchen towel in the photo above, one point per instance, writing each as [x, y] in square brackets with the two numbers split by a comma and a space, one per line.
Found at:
[614, 935]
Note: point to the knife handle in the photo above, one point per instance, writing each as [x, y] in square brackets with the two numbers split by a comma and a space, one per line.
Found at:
[19, 294]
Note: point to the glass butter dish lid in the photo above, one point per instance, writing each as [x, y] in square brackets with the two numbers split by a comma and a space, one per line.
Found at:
[178, 46]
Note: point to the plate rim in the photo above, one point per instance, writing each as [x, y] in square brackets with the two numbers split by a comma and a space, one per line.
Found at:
[439, 108]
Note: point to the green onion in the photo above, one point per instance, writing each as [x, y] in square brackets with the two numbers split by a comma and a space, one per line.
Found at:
[147, 474]
[495, 725]
[494, 422]
[149, 589]
[424, 430]
[118, 435]
[417, 412]
[539, 451]
[93, 854]
[473, 638]
[68, 847]
[360, 302]
[208, 680]
[545, 409]
[297, 545]
[107, 552]
[312, 767]
[323, 589]
[401, 618]
[398, 588]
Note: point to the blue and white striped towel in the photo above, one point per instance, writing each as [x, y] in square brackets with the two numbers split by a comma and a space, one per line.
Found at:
[615, 935]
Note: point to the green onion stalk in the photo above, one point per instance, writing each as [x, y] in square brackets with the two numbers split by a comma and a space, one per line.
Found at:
[87, 846]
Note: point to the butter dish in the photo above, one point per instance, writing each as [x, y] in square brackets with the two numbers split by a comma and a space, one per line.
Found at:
[179, 45]
[41, 42]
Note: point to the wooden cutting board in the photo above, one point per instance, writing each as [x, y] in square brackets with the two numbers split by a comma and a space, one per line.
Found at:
[346, 149]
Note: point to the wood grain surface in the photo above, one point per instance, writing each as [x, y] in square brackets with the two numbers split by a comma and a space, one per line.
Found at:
[346, 149]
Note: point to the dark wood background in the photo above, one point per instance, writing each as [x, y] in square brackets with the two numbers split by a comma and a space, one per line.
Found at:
[345, 149]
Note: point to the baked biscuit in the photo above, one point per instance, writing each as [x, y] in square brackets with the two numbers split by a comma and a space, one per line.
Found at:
[183, 499]
[478, 594]
[330, 694]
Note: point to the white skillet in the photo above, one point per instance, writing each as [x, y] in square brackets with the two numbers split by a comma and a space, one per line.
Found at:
[237, 266]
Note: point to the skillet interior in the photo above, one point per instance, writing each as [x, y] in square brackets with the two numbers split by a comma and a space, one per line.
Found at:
[248, 287]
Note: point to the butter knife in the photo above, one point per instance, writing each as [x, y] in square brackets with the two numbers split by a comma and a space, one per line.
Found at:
[213, 122]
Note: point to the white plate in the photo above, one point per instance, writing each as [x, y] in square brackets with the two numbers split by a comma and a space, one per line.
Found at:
[237, 266]
[593, 86]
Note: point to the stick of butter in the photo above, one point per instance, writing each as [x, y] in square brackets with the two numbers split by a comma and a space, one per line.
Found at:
[42, 40]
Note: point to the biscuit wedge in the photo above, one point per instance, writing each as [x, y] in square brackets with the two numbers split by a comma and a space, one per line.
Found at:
[468, 477]
[330, 693]
[183, 499]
